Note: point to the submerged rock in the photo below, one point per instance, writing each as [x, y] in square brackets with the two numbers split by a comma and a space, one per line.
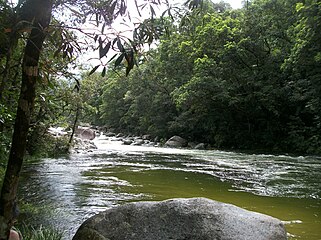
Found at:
[189, 219]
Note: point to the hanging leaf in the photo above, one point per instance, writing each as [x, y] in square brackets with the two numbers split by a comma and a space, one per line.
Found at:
[152, 11]
[77, 82]
[112, 8]
[135, 35]
[115, 55]
[130, 61]
[77, 88]
[64, 54]
[170, 14]
[104, 50]
[123, 8]
[93, 70]
[137, 8]
[51, 85]
[114, 41]
[119, 60]
[133, 45]
[120, 45]
[127, 71]
[129, 57]
[57, 51]
[97, 19]
[70, 49]
[101, 49]
[103, 28]
[143, 6]
[95, 38]
[103, 73]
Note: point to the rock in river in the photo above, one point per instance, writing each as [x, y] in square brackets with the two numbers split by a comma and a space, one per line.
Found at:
[189, 219]
[176, 142]
[85, 133]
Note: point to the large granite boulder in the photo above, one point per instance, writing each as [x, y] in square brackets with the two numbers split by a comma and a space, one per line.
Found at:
[177, 219]
[200, 146]
[176, 142]
[85, 133]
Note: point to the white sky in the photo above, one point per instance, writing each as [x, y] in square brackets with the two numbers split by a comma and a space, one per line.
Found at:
[234, 3]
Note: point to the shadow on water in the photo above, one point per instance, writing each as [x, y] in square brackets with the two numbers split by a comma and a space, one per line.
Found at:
[78, 186]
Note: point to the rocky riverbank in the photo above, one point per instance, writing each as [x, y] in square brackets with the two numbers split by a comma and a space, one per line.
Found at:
[84, 136]
[148, 140]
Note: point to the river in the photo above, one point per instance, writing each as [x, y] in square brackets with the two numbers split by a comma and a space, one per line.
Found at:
[80, 185]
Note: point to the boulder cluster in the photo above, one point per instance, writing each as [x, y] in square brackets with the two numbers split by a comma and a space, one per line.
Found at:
[84, 136]
[147, 140]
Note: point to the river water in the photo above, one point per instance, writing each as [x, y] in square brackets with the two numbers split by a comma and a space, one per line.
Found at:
[81, 185]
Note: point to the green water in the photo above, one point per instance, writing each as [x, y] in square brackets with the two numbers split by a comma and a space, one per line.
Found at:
[164, 184]
[84, 184]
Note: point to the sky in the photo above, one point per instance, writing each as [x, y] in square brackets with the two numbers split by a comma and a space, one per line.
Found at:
[234, 3]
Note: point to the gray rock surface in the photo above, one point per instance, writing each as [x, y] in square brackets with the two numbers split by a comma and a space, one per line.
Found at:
[127, 141]
[180, 219]
[83, 145]
[147, 137]
[176, 142]
[138, 142]
[200, 146]
[85, 133]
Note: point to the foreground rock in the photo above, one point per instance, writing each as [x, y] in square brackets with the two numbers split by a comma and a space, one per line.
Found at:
[189, 219]
[176, 142]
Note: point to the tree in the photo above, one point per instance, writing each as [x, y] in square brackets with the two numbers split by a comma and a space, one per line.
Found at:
[41, 20]
[245, 79]
[302, 65]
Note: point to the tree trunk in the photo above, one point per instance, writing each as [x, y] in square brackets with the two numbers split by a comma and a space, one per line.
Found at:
[41, 19]
[74, 126]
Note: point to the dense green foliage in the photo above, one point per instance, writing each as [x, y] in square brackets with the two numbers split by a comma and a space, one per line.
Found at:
[245, 79]
[55, 106]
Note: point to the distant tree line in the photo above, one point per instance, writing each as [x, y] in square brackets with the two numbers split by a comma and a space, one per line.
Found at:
[243, 79]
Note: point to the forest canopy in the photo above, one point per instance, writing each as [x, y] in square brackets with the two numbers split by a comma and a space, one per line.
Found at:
[232, 78]
[235, 79]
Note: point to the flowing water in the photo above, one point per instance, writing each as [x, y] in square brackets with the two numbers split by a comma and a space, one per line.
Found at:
[80, 185]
